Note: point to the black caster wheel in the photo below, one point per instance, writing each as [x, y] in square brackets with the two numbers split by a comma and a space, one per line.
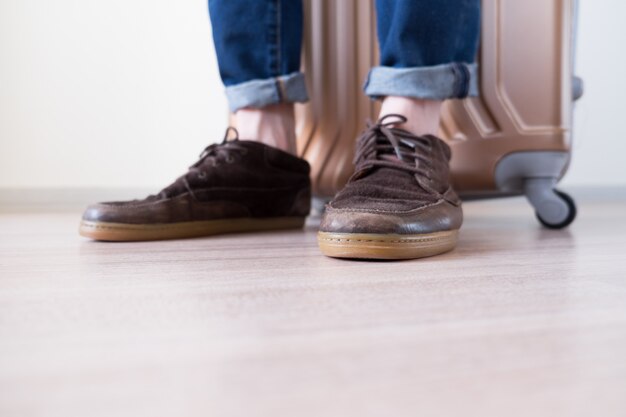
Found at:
[569, 218]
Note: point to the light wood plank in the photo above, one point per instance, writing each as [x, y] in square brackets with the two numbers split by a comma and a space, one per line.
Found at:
[517, 321]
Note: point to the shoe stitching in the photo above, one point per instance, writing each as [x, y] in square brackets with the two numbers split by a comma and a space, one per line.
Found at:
[151, 228]
[407, 240]
[376, 211]
[142, 204]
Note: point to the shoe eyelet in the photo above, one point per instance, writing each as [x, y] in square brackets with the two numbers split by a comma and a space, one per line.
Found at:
[202, 175]
[230, 159]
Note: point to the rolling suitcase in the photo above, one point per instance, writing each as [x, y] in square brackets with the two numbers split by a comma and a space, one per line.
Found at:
[515, 139]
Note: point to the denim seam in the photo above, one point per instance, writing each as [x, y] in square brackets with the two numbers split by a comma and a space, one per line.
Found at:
[278, 37]
[272, 37]
[455, 76]
[279, 85]
[465, 75]
[461, 80]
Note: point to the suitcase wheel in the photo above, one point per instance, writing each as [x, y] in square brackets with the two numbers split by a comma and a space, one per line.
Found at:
[558, 212]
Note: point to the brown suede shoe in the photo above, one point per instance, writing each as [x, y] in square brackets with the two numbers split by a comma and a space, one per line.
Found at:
[236, 186]
[398, 204]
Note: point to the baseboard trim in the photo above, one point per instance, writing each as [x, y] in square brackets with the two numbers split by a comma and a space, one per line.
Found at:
[55, 199]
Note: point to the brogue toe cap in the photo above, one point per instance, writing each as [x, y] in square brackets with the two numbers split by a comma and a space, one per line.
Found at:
[437, 217]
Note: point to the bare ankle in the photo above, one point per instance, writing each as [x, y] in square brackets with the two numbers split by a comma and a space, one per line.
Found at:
[273, 125]
[423, 116]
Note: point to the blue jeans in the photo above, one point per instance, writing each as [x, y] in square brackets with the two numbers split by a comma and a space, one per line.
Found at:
[427, 50]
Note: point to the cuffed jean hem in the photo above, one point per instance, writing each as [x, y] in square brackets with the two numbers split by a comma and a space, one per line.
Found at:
[289, 88]
[439, 82]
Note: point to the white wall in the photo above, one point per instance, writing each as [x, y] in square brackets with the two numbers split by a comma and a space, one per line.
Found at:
[115, 93]
[125, 93]
[599, 146]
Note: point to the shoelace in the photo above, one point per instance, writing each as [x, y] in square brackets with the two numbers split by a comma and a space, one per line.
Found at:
[383, 146]
[210, 157]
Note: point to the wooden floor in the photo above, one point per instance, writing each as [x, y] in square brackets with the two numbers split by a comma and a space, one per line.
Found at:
[517, 321]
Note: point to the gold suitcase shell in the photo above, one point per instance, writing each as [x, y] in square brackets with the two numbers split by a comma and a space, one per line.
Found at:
[513, 139]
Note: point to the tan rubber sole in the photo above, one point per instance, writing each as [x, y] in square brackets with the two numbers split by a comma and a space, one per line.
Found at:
[121, 232]
[388, 246]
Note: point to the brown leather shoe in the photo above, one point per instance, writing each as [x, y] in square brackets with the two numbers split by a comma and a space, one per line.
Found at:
[398, 204]
[236, 186]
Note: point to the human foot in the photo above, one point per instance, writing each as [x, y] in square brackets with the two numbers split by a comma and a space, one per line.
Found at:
[399, 203]
[273, 125]
[236, 186]
[422, 117]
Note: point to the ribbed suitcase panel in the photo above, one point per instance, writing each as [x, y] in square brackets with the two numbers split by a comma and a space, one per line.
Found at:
[525, 81]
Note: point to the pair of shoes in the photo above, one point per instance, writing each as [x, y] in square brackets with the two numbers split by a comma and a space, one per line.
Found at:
[397, 205]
